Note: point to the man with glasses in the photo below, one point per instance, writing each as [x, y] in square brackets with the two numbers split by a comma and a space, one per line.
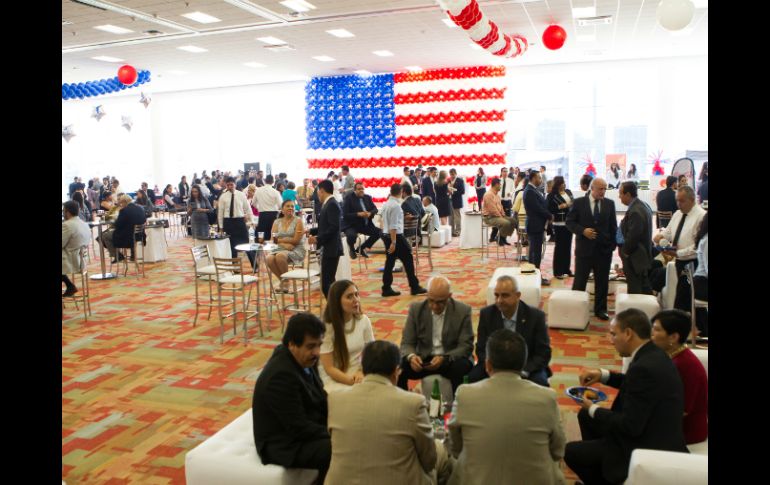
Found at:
[437, 337]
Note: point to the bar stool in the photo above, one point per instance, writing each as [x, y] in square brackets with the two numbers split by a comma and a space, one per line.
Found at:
[694, 304]
[428, 234]
[203, 270]
[231, 277]
[306, 275]
[485, 241]
[83, 295]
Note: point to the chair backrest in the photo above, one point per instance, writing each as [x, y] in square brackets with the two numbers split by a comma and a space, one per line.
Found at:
[84, 259]
[664, 216]
[200, 253]
[139, 232]
[228, 266]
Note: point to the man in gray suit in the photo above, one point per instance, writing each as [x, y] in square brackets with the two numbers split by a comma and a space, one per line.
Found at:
[636, 251]
[348, 181]
[438, 337]
[506, 430]
[380, 433]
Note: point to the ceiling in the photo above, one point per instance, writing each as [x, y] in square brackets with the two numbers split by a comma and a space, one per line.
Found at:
[412, 30]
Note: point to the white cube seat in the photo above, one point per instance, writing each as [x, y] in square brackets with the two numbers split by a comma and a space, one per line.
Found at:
[447, 230]
[612, 287]
[646, 303]
[529, 285]
[568, 309]
[230, 457]
[437, 239]
[648, 467]
[444, 384]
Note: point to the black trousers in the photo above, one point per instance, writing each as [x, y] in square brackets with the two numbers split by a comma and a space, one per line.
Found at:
[265, 223]
[536, 247]
[66, 280]
[404, 254]
[328, 272]
[600, 264]
[637, 279]
[370, 230]
[507, 207]
[236, 228]
[683, 301]
[454, 371]
[562, 251]
[585, 457]
[480, 195]
[315, 455]
[657, 275]
[701, 314]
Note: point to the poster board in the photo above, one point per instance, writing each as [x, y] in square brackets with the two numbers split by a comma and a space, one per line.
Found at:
[619, 158]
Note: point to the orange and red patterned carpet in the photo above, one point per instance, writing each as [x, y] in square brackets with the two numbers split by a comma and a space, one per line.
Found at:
[141, 385]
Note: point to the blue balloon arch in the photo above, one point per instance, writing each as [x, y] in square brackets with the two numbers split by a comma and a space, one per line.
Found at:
[102, 86]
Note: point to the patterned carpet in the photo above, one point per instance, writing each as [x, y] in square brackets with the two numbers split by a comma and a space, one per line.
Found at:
[141, 386]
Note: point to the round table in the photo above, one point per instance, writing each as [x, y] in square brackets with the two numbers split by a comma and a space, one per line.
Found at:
[104, 275]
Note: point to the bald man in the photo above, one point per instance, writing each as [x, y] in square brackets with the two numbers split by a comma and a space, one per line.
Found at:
[437, 337]
[593, 221]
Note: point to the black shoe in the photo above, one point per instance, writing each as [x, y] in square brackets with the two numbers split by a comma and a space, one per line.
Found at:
[364, 253]
[69, 292]
[503, 242]
[570, 274]
[390, 292]
[545, 282]
[353, 253]
[560, 276]
[602, 316]
[419, 291]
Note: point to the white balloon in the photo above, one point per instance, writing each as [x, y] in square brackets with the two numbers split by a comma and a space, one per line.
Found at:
[98, 113]
[675, 15]
[67, 133]
[126, 122]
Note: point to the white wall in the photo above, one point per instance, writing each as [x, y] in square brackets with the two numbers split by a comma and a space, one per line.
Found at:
[189, 131]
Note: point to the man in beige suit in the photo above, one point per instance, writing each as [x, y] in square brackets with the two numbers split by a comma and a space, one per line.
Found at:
[380, 433]
[505, 429]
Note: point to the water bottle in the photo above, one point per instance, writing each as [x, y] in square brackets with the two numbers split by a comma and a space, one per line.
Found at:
[251, 235]
[435, 401]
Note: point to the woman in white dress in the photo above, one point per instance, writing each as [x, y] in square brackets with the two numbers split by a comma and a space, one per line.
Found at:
[347, 331]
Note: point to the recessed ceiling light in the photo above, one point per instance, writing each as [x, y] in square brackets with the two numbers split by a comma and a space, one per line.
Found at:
[414, 68]
[254, 64]
[201, 18]
[298, 5]
[476, 47]
[586, 38]
[107, 59]
[382, 53]
[600, 20]
[449, 23]
[363, 72]
[192, 48]
[323, 58]
[113, 29]
[177, 72]
[271, 40]
[341, 33]
[583, 12]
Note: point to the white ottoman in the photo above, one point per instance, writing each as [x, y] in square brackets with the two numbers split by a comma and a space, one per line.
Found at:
[529, 285]
[443, 383]
[612, 287]
[646, 303]
[448, 233]
[667, 468]
[568, 309]
[437, 239]
[230, 456]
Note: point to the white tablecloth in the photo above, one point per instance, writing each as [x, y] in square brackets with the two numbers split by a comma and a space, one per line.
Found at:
[218, 248]
[155, 250]
[614, 194]
[470, 232]
[343, 268]
[529, 285]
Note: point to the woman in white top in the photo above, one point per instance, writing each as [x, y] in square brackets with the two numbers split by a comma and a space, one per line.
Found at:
[347, 331]
[632, 175]
[406, 178]
[613, 176]
[337, 187]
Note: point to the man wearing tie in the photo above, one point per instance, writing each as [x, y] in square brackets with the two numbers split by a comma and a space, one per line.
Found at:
[428, 187]
[233, 212]
[326, 236]
[593, 221]
[538, 216]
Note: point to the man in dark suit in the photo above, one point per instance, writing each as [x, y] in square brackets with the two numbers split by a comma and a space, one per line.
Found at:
[665, 201]
[512, 313]
[122, 235]
[437, 337]
[636, 252]
[538, 216]
[412, 207]
[428, 187]
[458, 184]
[593, 221]
[358, 209]
[326, 236]
[647, 413]
[289, 407]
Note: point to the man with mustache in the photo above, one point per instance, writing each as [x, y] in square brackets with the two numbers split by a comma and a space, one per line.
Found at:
[289, 406]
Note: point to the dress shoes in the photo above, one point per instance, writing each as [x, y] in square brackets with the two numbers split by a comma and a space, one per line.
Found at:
[419, 291]
[364, 253]
[545, 282]
[602, 316]
[69, 292]
[353, 253]
[390, 292]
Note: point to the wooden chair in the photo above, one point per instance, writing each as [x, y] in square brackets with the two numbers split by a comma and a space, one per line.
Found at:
[83, 295]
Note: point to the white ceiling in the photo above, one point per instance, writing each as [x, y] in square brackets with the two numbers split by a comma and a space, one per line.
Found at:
[412, 29]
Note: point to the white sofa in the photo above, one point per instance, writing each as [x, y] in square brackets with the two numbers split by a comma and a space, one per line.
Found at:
[230, 457]
[653, 467]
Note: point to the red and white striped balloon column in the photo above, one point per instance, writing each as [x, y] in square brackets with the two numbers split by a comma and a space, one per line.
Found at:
[484, 32]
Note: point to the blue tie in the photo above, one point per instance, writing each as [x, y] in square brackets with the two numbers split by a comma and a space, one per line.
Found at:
[596, 211]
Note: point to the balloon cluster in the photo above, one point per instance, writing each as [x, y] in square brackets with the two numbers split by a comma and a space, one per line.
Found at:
[451, 139]
[473, 199]
[590, 169]
[472, 180]
[443, 161]
[482, 31]
[350, 112]
[450, 73]
[450, 95]
[657, 169]
[379, 181]
[379, 200]
[102, 86]
[451, 117]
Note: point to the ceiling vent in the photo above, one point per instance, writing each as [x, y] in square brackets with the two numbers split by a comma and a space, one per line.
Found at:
[601, 20]
[280, 47]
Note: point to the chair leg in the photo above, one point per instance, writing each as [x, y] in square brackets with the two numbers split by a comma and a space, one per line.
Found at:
[221, 320]
[197, 304]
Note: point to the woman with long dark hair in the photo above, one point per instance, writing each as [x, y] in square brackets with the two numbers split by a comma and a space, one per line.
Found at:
[184, 189]
[613, 176]
[480, 184]
[442, 198]
[632, 175]
[144, 202]
[348, 330]
[199, 208]
[84, 211]
[559, 202]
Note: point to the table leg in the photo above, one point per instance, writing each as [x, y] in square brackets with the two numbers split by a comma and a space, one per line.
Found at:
[104, 275]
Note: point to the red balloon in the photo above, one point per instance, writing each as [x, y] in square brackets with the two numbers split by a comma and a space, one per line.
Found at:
[127, 75]
[554, 37]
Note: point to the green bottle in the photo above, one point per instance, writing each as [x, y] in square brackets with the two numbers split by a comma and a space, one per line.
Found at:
[435, 401]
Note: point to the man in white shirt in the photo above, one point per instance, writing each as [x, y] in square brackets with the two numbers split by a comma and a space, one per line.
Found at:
[268, 202]
[396, 245]
[430, 208]
[681, 232]
[233, 212]
[347, 180]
